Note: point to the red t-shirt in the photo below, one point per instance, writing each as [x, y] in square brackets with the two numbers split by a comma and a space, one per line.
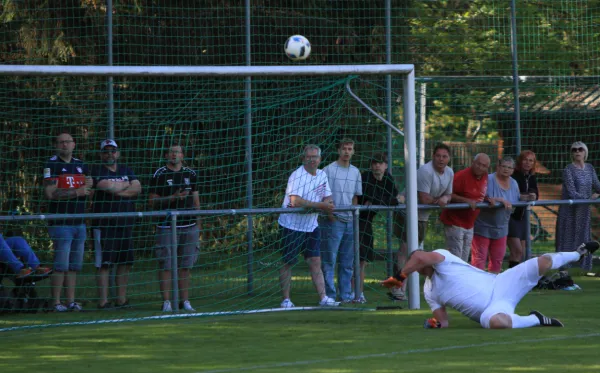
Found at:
[466, 185]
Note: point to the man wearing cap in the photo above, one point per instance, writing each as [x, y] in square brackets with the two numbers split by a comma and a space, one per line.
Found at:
[378, 189]
[66, 185]
[117, 187]
[174, 187]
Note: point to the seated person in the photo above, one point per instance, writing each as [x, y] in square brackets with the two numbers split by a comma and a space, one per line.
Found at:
[13, 248]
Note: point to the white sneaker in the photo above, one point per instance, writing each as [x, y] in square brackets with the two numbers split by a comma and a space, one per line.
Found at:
[397, 294]
[187, 306]
[74, 306]
[328, 302]
[59, 307]
[167, 306]
[361, 299]
[287, 303]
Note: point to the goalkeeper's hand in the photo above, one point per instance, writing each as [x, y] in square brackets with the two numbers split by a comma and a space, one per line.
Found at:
[432, 323]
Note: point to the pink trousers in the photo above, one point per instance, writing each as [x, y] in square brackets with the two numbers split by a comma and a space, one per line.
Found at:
[482, 247]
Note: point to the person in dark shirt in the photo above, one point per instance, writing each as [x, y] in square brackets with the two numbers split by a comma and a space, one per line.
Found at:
[174, 187]
[378, 189]
[117, 187]
[67, 185]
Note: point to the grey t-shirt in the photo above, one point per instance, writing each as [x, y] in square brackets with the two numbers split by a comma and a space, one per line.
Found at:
[493, 223]
[433, 183]
[345, 183]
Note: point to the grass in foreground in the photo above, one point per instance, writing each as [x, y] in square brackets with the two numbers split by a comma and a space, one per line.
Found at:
[321, 341]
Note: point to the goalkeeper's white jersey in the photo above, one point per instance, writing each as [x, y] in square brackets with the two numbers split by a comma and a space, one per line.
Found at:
[459, 285]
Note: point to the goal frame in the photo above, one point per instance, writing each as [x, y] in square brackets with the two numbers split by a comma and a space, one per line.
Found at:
[405, 70]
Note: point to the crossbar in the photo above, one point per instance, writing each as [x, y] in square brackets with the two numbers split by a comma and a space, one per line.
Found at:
[210, 71]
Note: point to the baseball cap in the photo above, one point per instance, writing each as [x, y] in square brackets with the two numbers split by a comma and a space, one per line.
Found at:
[379, 158]
[108, 142]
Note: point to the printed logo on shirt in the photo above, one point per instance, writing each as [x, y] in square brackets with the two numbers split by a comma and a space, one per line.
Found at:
[170, 182]
[79, 170]
[320, 190]
[186, 180]
[64, 170]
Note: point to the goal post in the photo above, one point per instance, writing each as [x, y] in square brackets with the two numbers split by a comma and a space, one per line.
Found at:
[406, 71]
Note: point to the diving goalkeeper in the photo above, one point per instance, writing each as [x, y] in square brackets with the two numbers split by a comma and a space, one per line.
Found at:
[483, 297]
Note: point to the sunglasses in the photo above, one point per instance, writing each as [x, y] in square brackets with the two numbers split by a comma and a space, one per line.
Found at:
[111, 151]
[574, 150]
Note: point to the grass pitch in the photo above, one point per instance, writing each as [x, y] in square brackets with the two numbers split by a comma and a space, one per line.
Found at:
[321, 342]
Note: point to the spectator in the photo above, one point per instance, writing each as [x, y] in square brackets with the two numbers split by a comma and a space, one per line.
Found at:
[307, 187]
[434, 187]
[469, 186]
[174, 187]
[67, 185]
[580, 181]
[15, 249]
[117, 187]
[517, 226]
[491, 226]
[378, 189]
[337, 228]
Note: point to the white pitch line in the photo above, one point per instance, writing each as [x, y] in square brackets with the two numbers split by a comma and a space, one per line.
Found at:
[390, 354]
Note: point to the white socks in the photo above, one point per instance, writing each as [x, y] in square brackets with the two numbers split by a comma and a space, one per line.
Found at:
[519, 322]
[560, 259]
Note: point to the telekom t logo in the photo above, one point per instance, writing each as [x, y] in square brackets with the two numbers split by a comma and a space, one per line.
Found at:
[71, 181]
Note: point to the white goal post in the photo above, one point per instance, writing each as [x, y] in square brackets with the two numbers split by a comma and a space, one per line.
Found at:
[407, 70]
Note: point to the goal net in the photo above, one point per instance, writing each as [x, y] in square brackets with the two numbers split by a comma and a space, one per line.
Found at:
[241, 144]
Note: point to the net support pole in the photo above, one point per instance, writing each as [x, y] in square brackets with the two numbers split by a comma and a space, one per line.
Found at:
[410, 164]
[517, 106]
[174, 272]
[357, 269]
[110, 106]
[248, 139]
[110, 84]
[388, 111]
[422, 121]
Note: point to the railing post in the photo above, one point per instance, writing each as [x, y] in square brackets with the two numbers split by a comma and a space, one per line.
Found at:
[527, 217]
[174, 272]
[356, 232]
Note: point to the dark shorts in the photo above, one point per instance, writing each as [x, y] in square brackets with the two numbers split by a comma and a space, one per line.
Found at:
[517, 228]
[188, 247]
[400, 227]
[367, 249]
[296, 242]
[113, 245]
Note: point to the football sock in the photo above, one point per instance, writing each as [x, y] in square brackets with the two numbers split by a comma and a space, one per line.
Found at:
[560, 259]
[519, 322]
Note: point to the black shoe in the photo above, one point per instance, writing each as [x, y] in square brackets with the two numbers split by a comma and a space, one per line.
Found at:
[546, 321]
[123, 305]
[588, 248]
[106, 306]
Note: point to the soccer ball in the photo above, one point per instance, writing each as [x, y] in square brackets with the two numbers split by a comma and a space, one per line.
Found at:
[297, 48]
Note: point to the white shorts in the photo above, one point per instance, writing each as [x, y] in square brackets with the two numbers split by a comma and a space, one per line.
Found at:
[510, 287]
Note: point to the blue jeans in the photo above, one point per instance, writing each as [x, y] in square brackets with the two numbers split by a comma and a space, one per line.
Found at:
[13, 248]
[69, 245]
[338, 243]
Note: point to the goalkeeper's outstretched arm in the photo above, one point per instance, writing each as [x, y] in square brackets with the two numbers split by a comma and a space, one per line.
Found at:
[422, 262]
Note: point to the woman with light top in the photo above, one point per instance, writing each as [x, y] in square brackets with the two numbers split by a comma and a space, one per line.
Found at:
[517, 226]
[580, 181]
[491, 226]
